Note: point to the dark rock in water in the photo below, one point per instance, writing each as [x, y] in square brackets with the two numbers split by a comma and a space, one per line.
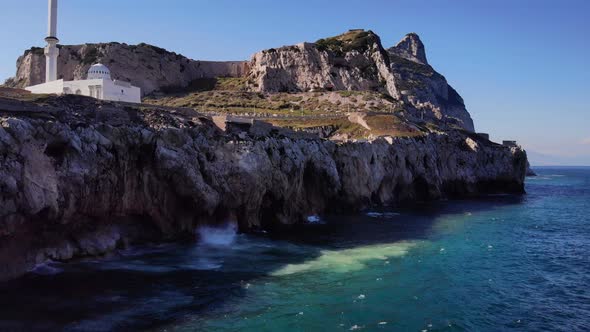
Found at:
[87, 176]
[529, 170]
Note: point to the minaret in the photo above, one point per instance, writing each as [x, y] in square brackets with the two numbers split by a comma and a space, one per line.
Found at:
[51, 50]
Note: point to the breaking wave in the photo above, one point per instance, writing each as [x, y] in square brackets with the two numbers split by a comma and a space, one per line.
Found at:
[218, 236]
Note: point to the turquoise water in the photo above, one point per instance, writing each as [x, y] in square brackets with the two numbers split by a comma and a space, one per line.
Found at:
[493, 264]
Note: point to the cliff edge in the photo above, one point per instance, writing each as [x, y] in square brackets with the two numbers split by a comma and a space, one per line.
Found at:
[81, 177]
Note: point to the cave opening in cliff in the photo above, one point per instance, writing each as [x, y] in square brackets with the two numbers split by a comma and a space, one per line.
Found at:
[270, 207]
[421, 190]
[314, 185]
[57, 151]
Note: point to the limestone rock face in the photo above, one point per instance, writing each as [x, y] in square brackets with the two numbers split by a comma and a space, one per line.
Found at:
[428, 94]
[356, 60]
[410, 48]
[353, 61]
[84, 177]
[148, 67]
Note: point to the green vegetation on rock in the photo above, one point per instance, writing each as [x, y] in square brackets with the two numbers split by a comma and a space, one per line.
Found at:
[228, 95]
[91, 56]
[36, 51]
[353, 40]
[411, 66]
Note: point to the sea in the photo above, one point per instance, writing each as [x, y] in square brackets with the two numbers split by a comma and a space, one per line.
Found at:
[496, 263]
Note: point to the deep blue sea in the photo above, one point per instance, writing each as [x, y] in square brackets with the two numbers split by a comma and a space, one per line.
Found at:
[497, 263]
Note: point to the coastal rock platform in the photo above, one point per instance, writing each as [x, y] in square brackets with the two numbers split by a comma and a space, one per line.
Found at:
[80, 177]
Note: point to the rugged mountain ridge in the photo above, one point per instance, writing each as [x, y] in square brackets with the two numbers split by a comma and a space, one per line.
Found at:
[410, 48]
[81, 177]
[356, 60]
[149, 67]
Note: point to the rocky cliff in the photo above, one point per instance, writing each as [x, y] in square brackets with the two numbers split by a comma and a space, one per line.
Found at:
[353, 61]
[410, 48]
[357, 60]
[80, 177]
[149, 67]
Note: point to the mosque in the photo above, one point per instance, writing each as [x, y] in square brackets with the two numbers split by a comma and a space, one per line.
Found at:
[98, 83]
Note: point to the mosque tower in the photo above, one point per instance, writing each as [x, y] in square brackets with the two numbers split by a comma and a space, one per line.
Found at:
[99, 83]
[51, 50]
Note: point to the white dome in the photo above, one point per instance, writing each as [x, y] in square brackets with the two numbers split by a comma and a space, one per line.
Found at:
[99, 71]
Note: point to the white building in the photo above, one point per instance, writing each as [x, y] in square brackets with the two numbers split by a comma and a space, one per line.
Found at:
[98, 84]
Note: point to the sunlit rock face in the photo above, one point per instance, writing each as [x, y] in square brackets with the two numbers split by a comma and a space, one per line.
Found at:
[410, 48]
[423, 87]
[80, 177]
[356, 60]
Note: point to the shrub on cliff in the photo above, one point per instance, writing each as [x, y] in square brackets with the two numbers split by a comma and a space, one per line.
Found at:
[91, 56]
[354, 40]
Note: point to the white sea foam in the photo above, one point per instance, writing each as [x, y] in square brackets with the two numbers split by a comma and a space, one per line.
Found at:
[347, 260]
[538, 178]
[385, 215]
[314, 219]
[218, 236]
[47, 268]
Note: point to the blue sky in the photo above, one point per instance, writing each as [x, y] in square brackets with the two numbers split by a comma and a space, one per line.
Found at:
[521, 66]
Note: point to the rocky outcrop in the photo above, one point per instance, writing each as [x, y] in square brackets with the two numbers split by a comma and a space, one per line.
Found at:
[529, 170]
[410, 48]
[82, 177]
[428, 94]
[305, 68]
[149, 67]
[353, 61]
[357, 60]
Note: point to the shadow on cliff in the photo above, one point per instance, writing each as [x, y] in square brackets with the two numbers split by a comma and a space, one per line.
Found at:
[160, 285]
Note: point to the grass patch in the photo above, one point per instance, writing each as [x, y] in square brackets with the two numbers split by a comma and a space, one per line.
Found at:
[391, 125]
[228, 98]
[231, 84]
[23, 95]
[347, 94]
